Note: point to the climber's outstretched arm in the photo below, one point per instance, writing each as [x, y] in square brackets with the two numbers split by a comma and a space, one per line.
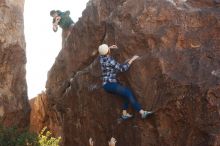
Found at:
[133, 59]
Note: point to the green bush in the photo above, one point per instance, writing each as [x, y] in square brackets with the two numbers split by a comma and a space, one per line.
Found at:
[46, 139]
[14, 137]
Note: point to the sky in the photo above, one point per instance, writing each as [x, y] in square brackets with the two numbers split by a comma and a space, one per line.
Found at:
[42, 44]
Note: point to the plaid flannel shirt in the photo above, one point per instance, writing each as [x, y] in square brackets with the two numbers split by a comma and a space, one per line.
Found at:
[110, 67]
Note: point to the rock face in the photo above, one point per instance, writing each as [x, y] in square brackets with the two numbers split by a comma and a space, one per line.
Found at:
[39, 117]
[14, 108]
[179, 43]
[38, 113]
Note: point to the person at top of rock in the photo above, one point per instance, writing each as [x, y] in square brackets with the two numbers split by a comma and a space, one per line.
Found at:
[62, 19]
[112, 142]
[110, 68]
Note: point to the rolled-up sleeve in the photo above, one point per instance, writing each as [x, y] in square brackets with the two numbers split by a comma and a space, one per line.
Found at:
[120, 67]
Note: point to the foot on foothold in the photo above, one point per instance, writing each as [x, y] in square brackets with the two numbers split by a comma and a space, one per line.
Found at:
[126, 117]
[146, 114]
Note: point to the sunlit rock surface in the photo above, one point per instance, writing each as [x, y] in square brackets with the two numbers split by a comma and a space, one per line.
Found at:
[38, 113]
[14, 108]
[177, 75]
[39, 117]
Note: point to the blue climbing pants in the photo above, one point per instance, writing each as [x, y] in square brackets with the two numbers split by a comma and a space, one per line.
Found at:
[125, 93]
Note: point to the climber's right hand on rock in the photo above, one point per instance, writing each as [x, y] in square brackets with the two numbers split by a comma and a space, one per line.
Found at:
[133, 59]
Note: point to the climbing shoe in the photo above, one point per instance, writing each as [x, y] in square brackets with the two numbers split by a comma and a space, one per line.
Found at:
[146, 114]
[126, 117]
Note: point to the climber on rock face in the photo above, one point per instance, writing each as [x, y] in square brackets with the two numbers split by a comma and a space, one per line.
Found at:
[110, 67]
[63, 20]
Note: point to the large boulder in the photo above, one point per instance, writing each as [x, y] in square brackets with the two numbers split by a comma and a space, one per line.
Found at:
[178, 42]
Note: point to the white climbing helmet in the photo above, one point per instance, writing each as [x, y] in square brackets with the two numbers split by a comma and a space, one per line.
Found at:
[103, 49]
